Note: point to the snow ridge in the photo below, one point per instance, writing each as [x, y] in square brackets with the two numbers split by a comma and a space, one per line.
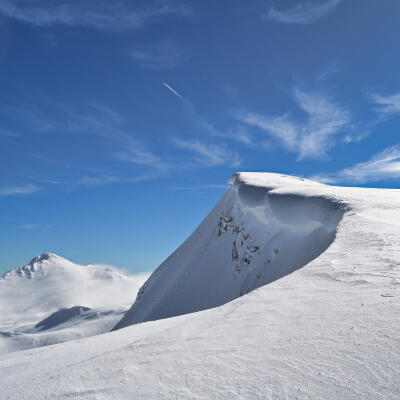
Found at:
[255, 235]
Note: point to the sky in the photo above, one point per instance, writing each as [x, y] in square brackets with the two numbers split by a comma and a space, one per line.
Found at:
[120, 122]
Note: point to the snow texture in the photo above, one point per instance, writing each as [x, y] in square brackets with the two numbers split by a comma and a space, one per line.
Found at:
[328, 330]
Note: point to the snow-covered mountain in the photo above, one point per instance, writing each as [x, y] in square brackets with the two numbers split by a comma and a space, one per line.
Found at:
[328, 330]
[79, 300]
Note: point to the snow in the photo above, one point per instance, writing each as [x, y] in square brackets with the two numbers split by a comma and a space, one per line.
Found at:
[262, 235]
[329, 329]
[51, 284]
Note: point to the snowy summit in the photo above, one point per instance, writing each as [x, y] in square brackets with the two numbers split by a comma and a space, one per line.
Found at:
[288, 289]
[52, 299]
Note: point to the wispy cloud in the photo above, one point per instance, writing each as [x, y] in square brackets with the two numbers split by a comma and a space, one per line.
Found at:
[99, 120]
[30, 114]
[311, 138]
[387, 106]
[236, 133]
[240, 134]
[9, 134]
[137, 153]
[102, 14]
[19, 190]
[103, 179]
[47, 115]
[30, 226]
[162, 55]
[331, 69]
[36, 226]
[303, 13]
[197, 188]
[120, 144]
[209, 154]
[382, 166]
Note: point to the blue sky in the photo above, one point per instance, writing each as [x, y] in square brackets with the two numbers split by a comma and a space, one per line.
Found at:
[120, 122]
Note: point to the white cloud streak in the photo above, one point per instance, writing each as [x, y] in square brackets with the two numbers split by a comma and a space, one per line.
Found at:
[103, 15]
[30, 226]
[104, 122]
[197, 188]
[100, 180]
[303, 13]
[209, 154]
[97, 120]
[382, 166]
[162, 55]
[387, 106]
[19, 190]
[9, 134]
[311, 138]
[331, 69]
[137, 153]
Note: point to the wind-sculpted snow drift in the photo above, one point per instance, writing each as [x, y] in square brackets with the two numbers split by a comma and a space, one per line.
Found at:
[255, 235]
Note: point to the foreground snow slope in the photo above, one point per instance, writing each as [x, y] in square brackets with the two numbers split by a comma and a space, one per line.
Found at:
[51, 286]
[329, 330]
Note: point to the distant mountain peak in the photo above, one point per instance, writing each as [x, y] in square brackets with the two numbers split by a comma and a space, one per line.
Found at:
[45, 257]
[38, 265]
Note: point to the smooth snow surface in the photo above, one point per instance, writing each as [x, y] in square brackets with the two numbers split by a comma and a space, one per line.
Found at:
[255, 235]
[49, 286]
[329, 330]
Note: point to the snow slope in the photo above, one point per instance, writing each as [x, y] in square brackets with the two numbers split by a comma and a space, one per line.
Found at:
[51, 285]
[329, 330]
[255, 235]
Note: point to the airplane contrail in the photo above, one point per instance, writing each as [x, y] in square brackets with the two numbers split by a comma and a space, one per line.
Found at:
[174, 91]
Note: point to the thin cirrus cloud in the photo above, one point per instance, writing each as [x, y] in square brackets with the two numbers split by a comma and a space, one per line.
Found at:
[137, 153]
[30, 226]
[312, 138]
[103, 121]
[102, 15]
[382, 166]
[195, 188]
[94, 120]
[9, 134]
[209, 154]
[331, 69]
[162, 55]
[47, 115]
[303, 13]
[19, 190]
[104, 179]
[386, 106]
[237, 133]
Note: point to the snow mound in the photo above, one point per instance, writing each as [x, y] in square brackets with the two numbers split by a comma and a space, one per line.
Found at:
[258, 233]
